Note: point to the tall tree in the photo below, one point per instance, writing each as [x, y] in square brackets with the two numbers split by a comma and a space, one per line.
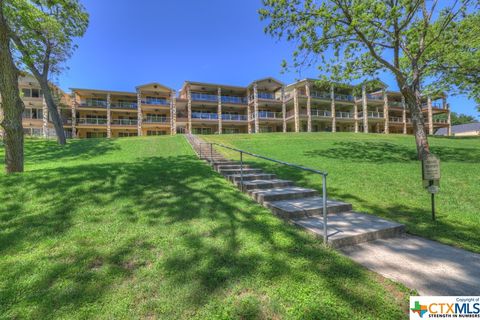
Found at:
[354, 38]
[44, 32]
[12, 104]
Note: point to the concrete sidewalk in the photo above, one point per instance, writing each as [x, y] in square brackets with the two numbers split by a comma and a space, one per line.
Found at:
[427, 266]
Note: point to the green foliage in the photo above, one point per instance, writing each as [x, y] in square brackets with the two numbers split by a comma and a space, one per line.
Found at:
[457, 118]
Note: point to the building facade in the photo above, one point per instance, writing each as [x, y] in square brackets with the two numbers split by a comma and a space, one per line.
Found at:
[265, 105]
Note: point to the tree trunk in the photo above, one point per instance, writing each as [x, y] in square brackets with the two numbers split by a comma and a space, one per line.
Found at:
[53, 111]
[413, 100]
[11, 103]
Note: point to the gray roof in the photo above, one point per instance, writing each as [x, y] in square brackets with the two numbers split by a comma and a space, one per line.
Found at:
[460, 128]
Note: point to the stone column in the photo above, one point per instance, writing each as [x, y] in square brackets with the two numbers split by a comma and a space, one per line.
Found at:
[284, 110]
[295, 110]
[430, 115]
[173, 112]
[334, 111]
[249, 114]
[385, 112]
[189, 110]
[255, 106]
[109, 116]
[74, 117]
[309, 107]
[404, 116]
[355, 113]
[219, 111]
[365, 109]
[139, 113]
[449, 121]
[45, 118]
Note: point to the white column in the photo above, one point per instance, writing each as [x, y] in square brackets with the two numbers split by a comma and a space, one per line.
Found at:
[45, 118]
[139, 113]
[284, 110]
[334, 111]
[249, 114]
[173, 112]
[385, 112]
[189, 110]
[430, 115]
[449, 120]
[365, 109]
[404, 116]
[295, 110]
[219, 111]
[109, 116]
[309, 107]
[355, 113]
[255, 107]
[74, 117]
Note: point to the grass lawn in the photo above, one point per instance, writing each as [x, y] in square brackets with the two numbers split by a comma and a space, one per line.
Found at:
[379, 174]
[139, 228]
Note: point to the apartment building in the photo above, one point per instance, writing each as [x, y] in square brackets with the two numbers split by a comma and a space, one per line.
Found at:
[265, 105]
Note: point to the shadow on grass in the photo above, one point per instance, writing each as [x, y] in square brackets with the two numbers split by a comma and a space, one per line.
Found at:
[385, 152]
[170, 219]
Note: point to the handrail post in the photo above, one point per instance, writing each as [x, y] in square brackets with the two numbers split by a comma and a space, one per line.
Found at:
[324, 195]
[241, 170]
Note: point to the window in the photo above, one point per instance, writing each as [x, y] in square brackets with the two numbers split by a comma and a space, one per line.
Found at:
[156, 133]
[91, 135]
[202, 130]
[127, 134]
[35, 93]
[26, 93]
[231, 130]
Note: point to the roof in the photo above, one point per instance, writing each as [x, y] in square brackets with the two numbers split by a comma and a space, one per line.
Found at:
[461, 128]
[154, 86]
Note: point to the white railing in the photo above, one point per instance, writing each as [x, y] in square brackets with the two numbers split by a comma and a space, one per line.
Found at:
[124, 122]
[93, 103]
[156, 101]
[344, 115]
[92, 121]
[124, 105]
[269, 115]
[204, 115]
[156, 119]
[234, 117]
[320, 113]
[396, 119]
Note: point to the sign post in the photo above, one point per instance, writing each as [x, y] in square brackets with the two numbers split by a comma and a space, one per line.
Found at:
[431, 177]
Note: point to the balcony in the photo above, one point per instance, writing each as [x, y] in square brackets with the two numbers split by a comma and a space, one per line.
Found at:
[156, 101]
[440, 121]
[321, 113]
[204, 97]
[92, 121]
[396, 119]
[159, 119]
[375, 97]
[124, 105]
[435, 105]
[234, 117]
[372, 115]
[395, 104]
[204, 116]
[321, 95]
[124, 122]
[94, 103]
[233, 99]
[344, 97]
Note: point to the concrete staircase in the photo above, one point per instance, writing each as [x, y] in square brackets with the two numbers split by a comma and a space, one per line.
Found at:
[301, 206]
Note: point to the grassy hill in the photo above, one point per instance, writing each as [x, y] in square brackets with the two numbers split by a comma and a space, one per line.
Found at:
[139, 228]
[380, 174]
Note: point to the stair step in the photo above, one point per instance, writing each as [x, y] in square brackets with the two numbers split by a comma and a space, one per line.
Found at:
[238, 171]
[229, 166]
[350, 228]
[265, 184]
[251, 176]
[304, 207]
[274, 194]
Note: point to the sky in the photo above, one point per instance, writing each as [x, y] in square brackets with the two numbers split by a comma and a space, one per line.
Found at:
[133, 42]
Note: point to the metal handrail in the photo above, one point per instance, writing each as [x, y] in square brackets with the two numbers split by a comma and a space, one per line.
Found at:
[242, 152]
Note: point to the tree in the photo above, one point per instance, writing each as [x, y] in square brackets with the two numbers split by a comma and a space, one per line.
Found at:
[43, 32]
[12, 104]
[355, 38]
[457, 118]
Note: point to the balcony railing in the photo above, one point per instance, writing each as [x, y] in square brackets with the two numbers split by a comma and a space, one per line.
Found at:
[125, 122]
[206, 116]
[204, 97]
[343, 97]
[374, 97]
[156, 101]
[234, 117]
[346, 115]
[395, 104]
[372, 115]
[93, 103]
[269, 115]
[440, 121]
[234, 99]
[320, 95]
[124, 105]
[396, 119]
[435, 105]
[156, 119]
[92, 121]
[321, 113]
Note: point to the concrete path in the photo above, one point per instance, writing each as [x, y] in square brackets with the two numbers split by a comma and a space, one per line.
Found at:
[427, 266]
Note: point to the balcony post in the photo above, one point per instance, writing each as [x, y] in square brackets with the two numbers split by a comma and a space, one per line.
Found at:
[365, 109]
[74, 116]
[249, 114]
[173, 112]
[109, 115]
[404, 115]
[255, 107]
[45, 118]
[355, 112]
[309, 107]
[284, 110]
[189, 110]
[139, 113]
[219, 91]
[334, 114]
[386, 111]
[449, 120]
[430, 115]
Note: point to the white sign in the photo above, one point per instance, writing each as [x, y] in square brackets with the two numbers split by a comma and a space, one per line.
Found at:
[445, 307]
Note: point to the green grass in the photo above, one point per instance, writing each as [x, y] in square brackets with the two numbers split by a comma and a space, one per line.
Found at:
[379, 174]
[139, 228]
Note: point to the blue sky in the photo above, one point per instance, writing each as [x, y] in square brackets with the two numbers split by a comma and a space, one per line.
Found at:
[132, 42]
